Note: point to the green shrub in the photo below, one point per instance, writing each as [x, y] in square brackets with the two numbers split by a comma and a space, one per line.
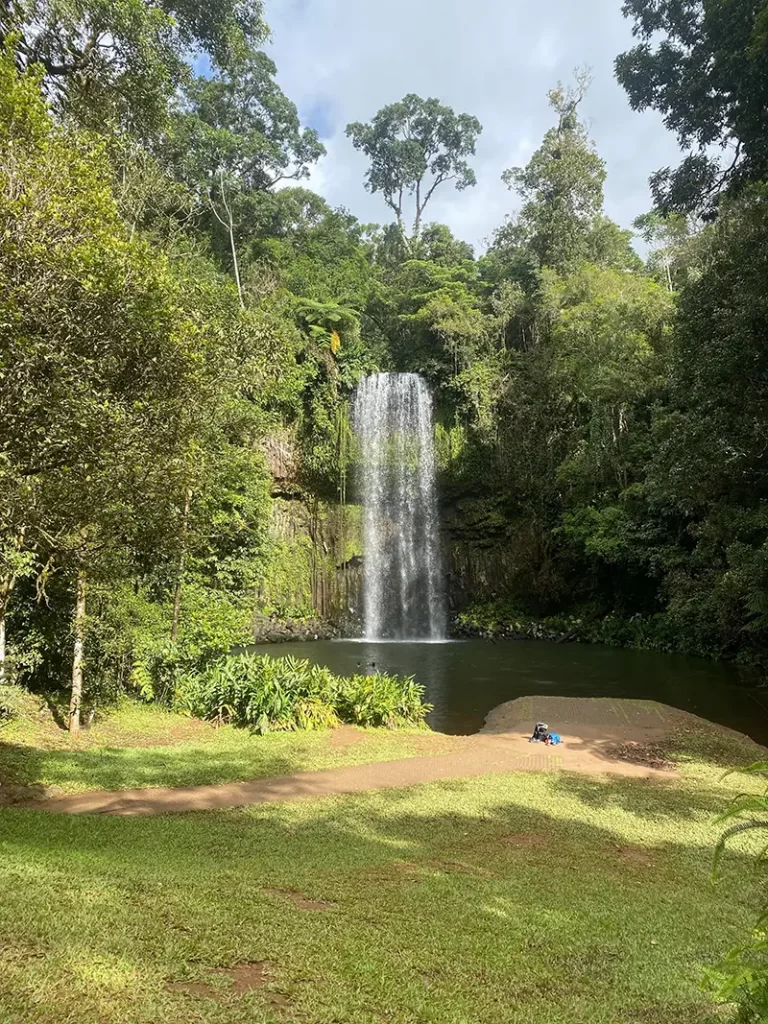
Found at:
[504, 619]
[380, 699]
[742, 977]
[668, 632]
[15, 702]
[212, 623]
[276, 694]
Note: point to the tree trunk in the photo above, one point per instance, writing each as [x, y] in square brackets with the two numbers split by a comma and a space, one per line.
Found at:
[77, 661]
[6, 589]
[235, 262]
[2, 646]
[233, 246]
[229, 225]
[182, 562]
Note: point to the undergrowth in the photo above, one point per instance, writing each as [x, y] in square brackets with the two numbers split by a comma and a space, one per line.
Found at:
[278, 694]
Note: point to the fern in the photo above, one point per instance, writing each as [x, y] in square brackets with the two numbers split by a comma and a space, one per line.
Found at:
[742, 977]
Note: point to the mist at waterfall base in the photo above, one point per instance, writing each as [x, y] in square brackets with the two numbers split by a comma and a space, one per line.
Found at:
[402, 574]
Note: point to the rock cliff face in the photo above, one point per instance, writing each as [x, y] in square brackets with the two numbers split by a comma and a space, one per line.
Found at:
[316, 565]
[478, 553]
[315, 578]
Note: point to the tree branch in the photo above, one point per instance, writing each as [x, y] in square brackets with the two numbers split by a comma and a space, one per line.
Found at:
[296, 176]
[438, 181]
[79, 63]
[717, 185]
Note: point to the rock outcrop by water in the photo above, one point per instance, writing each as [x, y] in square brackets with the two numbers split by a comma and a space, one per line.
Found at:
[525, 629]
[268, 630]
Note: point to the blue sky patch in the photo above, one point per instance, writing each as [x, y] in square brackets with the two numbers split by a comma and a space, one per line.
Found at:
[319, 115]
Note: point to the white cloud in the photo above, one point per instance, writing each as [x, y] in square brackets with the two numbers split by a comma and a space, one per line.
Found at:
[495, 59]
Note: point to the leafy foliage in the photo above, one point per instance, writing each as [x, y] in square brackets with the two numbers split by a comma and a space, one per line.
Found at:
[415, 146]
[704, 67]
[277, 694]
[138, 391]
[116, 63]
[742, 977]
[179, 339]
[242, 127]
[15, 702]
[561, 187]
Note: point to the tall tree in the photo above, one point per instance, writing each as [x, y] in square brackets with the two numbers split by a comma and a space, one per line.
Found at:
[673, 240]
[97, 360]
[233, 136]
[243, 126]
[117, 62]
[414, 147]
[707, 501]
[438, 245]
[561, 186]
[704, 67]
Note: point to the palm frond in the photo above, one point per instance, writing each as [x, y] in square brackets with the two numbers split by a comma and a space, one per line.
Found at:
[734, 830]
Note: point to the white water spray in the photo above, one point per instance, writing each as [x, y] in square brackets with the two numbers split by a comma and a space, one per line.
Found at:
[402, 583]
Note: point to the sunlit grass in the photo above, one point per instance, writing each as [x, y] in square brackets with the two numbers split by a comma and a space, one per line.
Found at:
[139, 745]
[552, 898]
[516, 898]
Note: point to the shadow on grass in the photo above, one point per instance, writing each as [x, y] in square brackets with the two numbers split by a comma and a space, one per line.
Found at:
[58, 710]
[649, 801]
[645, 798]
[106, 768]
[569, 926]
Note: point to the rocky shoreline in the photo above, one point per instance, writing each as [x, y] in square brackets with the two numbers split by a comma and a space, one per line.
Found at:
[278, 631]
[281, 631]
[525, 630]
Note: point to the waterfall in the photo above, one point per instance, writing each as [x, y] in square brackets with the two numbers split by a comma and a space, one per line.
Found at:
[402, 584]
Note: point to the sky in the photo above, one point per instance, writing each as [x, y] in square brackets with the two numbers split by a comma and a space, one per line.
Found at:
[342, 60]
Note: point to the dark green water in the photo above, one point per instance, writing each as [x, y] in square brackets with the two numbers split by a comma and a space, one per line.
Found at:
[466, 679]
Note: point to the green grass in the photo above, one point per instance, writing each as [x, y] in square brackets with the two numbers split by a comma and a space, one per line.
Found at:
[139, 745]
[705, 752]
[515, 899]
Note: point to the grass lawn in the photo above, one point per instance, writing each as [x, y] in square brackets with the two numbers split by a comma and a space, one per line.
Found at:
[533, 899]
[140, 745]
[550, 898]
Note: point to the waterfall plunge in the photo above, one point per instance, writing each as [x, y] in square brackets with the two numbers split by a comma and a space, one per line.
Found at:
[402, 587]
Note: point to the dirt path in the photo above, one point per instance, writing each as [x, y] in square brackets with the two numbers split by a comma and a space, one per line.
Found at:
[592, 729]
